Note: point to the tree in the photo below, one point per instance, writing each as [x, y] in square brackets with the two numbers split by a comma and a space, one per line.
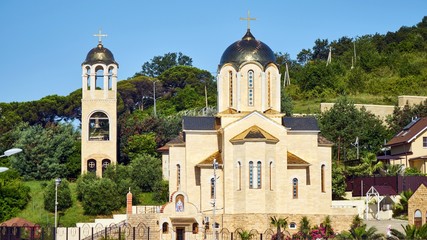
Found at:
[161, 191]
[14, 194]
[343, 123]
[64, 196]
[279, 223]
[410, 232]
[141, 144]
[99, 196]
[304, 227]
[159, 64]
[402, 206]
[359, 231]
[46, 151]
[146, 171]
[244, 234]
[338, 181]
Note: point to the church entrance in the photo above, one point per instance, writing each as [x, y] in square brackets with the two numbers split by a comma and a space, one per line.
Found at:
[180, 233]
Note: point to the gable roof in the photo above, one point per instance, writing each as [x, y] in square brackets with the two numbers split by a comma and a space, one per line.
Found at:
[300, 123]
[17, 222]
[409, 133]
[209, 160]
[294, 160]
[254, 134]
[199, 123]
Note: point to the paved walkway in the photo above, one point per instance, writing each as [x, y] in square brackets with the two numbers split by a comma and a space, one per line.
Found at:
[382, 225]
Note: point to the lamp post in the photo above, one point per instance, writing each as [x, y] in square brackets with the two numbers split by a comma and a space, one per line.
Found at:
[57, 182]
[9, 152]
[215, 167]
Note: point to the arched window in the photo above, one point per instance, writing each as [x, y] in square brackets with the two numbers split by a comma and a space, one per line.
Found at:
[99, 78]
[251, 88]
[110, 78]
[239, 165]
[418, 218]
[195, 228]
[322, 178]
[165, 227]
[270, 170]
[105, 164]
[212, 188]
[99, 127]
[91, 165]
[258, 182]
[269, 89]
[87, 77]
[251, 174]
[230, 80]
[178, 176]
[292, 225]
[295, 188]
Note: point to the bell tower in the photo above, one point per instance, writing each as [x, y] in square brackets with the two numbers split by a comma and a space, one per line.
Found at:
[99, 109]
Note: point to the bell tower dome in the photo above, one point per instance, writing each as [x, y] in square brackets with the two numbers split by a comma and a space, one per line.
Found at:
[99, 109]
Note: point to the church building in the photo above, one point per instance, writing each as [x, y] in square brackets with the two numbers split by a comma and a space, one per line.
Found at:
[249, 162]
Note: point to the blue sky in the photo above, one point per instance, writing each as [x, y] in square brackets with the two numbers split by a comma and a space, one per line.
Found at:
[44, 42]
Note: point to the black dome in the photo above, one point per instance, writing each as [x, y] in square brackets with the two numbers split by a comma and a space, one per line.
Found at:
[100, 55]
[248, 49]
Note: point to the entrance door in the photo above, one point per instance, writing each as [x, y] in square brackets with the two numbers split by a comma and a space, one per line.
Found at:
[180, 233]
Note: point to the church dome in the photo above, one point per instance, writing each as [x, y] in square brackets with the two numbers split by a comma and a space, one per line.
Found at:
[248, 49]
[100, 54]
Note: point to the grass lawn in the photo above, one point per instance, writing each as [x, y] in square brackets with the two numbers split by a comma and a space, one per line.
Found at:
[36, 213]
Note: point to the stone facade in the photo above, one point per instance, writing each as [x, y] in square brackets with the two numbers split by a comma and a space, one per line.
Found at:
[417, 206]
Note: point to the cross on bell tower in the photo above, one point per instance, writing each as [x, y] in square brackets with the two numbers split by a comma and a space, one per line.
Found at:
[100, 36]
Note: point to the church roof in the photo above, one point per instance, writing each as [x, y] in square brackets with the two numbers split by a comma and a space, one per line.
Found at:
[100, 54]
[254, 133]
[17, 222]
[301, 123]
[209, 160]
[199, 123]
[248, 49]
[294, 160]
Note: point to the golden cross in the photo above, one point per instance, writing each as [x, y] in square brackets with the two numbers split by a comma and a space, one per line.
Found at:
[248, 19]
[100, 35]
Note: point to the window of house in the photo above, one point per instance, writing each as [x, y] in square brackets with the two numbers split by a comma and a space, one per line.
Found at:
[251, 88]
[251, 174]
[259, 174]
[292, 225]
[322, 178]
[425, 142]
[295, 188]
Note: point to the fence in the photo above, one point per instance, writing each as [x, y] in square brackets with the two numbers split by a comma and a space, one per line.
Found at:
[126, 232]
[360, 185]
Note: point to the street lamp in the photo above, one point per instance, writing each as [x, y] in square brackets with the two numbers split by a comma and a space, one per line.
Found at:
[57, 182]
[12, 151]
[7, 153]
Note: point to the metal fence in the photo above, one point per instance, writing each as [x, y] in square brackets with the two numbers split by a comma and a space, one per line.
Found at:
[125, 232]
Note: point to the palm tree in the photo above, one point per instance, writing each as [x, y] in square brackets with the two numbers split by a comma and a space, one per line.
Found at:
[358, 231]
[279, 223]
[392, 169]
[411, 232]
[402, 205]
[245, 235]
[304, 227]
